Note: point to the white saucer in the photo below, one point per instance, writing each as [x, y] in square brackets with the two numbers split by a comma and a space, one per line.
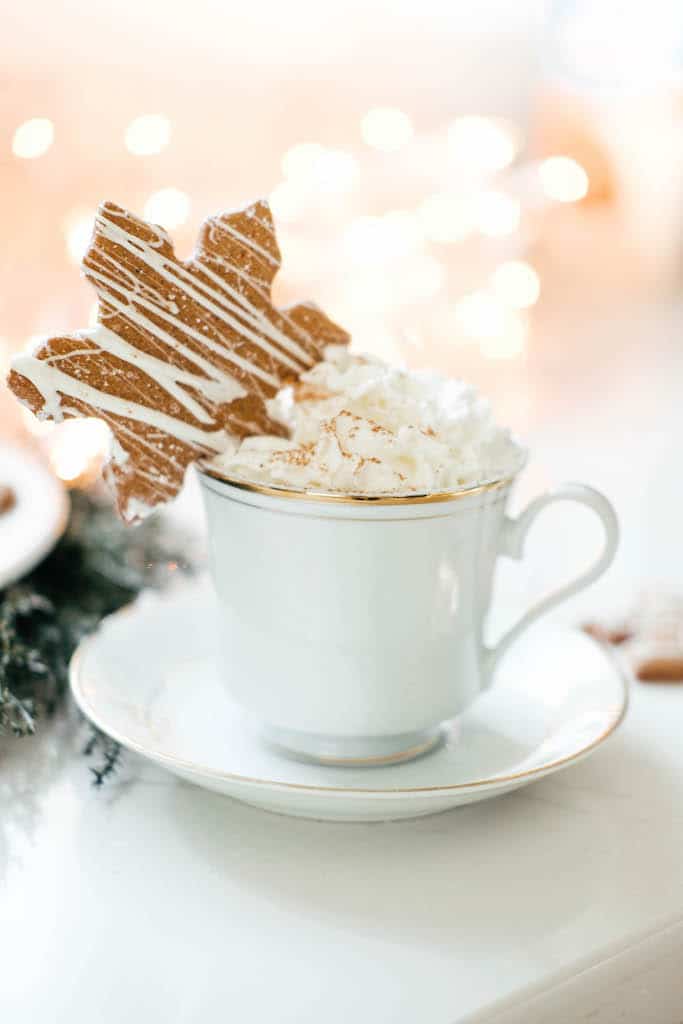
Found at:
[148, 678]
[30, 529]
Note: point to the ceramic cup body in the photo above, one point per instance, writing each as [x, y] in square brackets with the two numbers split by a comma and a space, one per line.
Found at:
[352, 629]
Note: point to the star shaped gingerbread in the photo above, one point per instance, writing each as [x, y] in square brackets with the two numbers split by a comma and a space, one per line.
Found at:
[184, 354]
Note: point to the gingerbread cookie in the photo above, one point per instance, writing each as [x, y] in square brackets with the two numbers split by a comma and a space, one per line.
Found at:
[8, 499]
[184, 355]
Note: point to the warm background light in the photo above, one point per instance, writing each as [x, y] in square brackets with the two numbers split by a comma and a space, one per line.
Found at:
[77, 449]
[426, 279]
[168, 207]
[481, 143]
[336, 171]
[287, 201]
[310, 165]
[404, 178]
[497, 214]
[516, 283]
[563, 179]
[508, 342]
[386, 128]
[78, 228]
[33, 138]
[300, 160]
[5, 354]
[498, 330]
[446, 218]
[479, 315]
[148, 134]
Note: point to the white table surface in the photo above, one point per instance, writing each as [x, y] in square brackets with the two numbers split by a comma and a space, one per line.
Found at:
[153, 901]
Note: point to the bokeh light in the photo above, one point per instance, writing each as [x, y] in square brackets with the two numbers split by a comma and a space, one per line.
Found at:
[309, 166]
[386, 128]
[482, 144]
[147, 134]
[479, 315]
[300, 160]
[516, 283]
[497, 213]
[168, 207]
[336, 171]
[446, 218]
[403, 231]
[78, 449]
[78, 228]
[33, 138]
[499, 331]
[365, 240]
[33, 426]
[509, 343]
[563, 179]
[424, 281]
[287, 201]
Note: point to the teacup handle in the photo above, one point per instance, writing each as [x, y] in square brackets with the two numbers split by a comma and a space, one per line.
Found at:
[512, 544]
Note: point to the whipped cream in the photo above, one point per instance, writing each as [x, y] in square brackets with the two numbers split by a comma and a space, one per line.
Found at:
[359, 426]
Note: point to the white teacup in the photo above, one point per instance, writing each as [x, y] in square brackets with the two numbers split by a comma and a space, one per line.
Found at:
[353, 627]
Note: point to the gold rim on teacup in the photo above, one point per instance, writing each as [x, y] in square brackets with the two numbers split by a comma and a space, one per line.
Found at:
[346, 499]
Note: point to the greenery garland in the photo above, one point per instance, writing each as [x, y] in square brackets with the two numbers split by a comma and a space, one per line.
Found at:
[98, 566]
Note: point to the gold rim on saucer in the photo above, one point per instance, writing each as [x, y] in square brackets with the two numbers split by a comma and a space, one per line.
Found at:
[75, 678]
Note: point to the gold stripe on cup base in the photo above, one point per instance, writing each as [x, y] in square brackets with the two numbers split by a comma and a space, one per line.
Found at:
[372, 760]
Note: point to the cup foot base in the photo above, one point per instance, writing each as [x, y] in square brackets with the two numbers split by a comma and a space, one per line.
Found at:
[367, 751]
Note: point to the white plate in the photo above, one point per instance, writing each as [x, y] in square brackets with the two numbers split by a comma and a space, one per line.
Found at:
[30, 529]
[149, 678]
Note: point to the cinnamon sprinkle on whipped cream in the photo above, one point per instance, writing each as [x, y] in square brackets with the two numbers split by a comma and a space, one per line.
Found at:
[359, 426]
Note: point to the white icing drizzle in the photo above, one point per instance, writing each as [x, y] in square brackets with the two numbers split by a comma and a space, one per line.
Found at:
[234, 296]
[220, 305]
[137, 319]
[256, 317]
[256, 284]
[166, 376]
[123, 293]
[52, 382]
[250, 243]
